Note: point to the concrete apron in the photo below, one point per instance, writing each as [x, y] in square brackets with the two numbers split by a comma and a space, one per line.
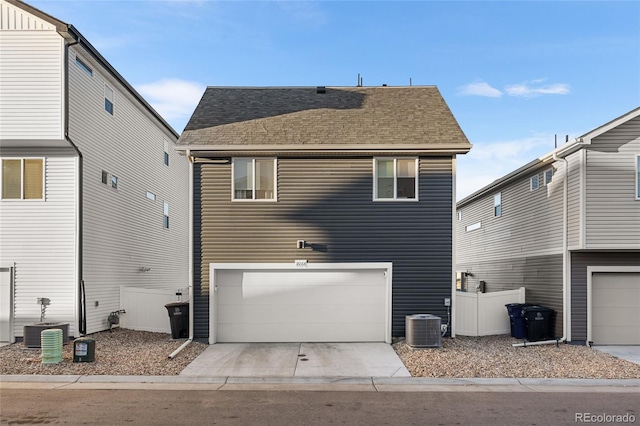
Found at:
[297, 360]
[629, 353]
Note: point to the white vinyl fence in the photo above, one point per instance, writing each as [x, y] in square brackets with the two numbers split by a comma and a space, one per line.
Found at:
[144, 307]
[483, 314]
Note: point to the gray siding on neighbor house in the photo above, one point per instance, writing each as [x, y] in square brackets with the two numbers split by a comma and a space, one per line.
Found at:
[530, 224]
[574, 200]
[579, 263]
[122, 228]
[328, 203]
[612, 210]
[541, 276]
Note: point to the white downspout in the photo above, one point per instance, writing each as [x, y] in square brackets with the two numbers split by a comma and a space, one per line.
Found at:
[190, 231]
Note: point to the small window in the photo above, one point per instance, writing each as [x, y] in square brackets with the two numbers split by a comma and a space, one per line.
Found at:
[151, 196]
[166, 153]
[637, 177]
[23, 179]
[254, 179]
[108, 99]
[461, 281]
[84, 66]
[459, 215]
[548, 176]
[535, 182]
[166, 215]
[395, 179]
[105, 177]
[473, 227]
[114, 182]
[497, 204]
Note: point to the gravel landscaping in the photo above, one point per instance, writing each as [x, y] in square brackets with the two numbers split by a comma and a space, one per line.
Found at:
[141, 353]
[495, 357]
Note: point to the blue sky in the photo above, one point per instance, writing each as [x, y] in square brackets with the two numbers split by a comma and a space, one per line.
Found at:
[513, 73]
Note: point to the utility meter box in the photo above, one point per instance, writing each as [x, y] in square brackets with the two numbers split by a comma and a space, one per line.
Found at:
[84, 350]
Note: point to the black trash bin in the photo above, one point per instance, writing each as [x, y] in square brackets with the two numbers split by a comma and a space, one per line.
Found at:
[516, 320]
[179, 318]
[538, 321]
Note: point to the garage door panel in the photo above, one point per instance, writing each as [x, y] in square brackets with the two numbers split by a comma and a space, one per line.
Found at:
[322, 314]
[267, 332]
[615, 308]
[278, 295]
[319, 304]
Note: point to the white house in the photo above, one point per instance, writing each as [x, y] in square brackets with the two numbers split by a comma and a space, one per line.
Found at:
[93, 195]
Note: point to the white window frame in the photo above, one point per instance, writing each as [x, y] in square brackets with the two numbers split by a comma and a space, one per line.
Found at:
[497, 204]
[166, 152]
[473, 227]
[151, 196]
[537, 179]
[545, 180]
[637, 176]
[253, 183]
[395, 179]
[22, 160]
[113, 182]
[459, 215]
[165, 214]
[111, 101]
[84, 67]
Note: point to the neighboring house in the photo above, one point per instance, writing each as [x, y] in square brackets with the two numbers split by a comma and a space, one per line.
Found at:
[566, 227]
[93, 193]
[320, 213]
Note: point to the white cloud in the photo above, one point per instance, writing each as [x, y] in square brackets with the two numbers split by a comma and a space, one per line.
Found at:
[532, 88]
[173, 98]
[479, 88]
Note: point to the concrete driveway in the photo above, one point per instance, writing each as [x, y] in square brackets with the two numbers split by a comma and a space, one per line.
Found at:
[297, 360]
[630, 353]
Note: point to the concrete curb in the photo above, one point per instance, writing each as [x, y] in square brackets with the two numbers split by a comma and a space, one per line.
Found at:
[373, 384]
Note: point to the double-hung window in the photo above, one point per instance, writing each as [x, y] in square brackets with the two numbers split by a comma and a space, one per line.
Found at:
[254, 179]
[395, 179]
[22, 179]
[497, 204]
[534, 183]
[108, 99]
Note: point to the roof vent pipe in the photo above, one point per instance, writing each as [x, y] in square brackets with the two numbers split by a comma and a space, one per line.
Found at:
[321, 90]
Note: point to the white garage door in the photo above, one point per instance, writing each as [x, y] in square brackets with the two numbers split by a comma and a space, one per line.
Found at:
[317, 303]
[615, 308]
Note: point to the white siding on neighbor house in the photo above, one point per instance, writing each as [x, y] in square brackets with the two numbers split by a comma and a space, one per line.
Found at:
[612, 210]
[40, 238]
[14, 18]
[31, 84]
[530, 223]
[122, 228]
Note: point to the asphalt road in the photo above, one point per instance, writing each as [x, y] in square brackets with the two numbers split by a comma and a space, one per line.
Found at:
[166, 407]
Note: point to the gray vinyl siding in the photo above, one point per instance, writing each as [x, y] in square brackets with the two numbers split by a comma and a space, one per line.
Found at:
[122, 229]
[328, 203]
[579, 263]
[612, 210]
[573, 199]
[530, 224]
[541, 276]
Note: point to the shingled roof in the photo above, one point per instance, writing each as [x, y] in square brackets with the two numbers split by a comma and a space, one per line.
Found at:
[331, 117]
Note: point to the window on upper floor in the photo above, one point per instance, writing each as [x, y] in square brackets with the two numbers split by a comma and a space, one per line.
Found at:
[254, 179]
[473, 227]
[638, 177]
[114, 182]
[395, 179]
[497, 204]
[84, 66]
[108, 99]
[22, 179]
[459, 215]
[151, 196]
[165, 221]
[166, 153]
[534, 183]
[548, 176]
[105, 177]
